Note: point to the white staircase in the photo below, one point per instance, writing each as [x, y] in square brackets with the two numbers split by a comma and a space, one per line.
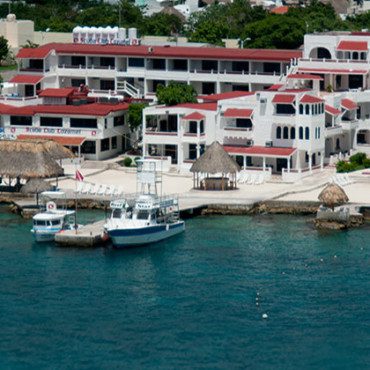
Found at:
[127, 88]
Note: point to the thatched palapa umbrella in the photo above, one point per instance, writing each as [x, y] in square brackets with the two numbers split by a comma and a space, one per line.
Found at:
[27, 159]
[36, 186]
[215, 160]
[332, 196]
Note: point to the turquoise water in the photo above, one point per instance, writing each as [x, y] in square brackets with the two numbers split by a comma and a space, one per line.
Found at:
[189, 302]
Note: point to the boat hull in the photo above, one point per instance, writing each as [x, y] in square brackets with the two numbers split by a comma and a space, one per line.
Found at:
[44, 235]
[122, 238]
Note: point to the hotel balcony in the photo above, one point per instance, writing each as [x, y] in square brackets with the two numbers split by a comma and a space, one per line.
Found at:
[238, 132]
[335, 64]
[333, 131]
[191, 137]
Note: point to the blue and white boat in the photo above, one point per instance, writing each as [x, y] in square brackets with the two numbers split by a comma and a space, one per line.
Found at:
[144, 218]
[52, 219]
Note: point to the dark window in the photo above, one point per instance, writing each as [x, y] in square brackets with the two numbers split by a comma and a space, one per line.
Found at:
[36, 64]
[106, 84]
[355, 55]
[271, 67]
[21, 120]
[29, 90]
[104, 144]
[240, 87]
[107, 62]
[51, 121]
[88, 147]
[286, 133]
[292, 133]
[285, 109]
[171, 151]
[300, 108]
[243, 122]
[301, 133]
[78, 61]
[114, 142]
[208, 65]
[180, 65]
[159, 64]
[307, 109]
[323, 53]
[355, 81]
[192, 151]
[156, 83]
[307, 133]
[169, 125]
[77, 82]
[201, 123]
[119, 121]
[208, 88]
[193, 127]
[240, 66]
[136, 62]
[278, 132]
[84, 123]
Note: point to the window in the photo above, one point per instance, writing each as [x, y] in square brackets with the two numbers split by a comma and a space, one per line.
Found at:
[307, 109]
[192, 151]
[107, 62]
[286, 133]
[180, 65]
[78, 61]
[77, 82]
[156, 83]
[201, 123]
[240, 66]
[104, 145]
[355, 55]
[285, 109]
[107, 85]
[300, 108]
[136, 62]
[300, 133]
[209, 65]
[36, 64]
[307, 133]
[271, 67]
[278, 132]
[55, 222]
[119, 121]
[318, 132]
[83, 123]
[21, 120]
[114, 142]
[51, 121]
[88, 147]
[158, 64]
[193, 127]
[208, 88]
[292, 133]
[243, 122]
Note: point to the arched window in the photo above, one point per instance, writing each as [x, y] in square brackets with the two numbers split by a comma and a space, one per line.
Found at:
[286, 133]
[300, 108]
[300, 133]
[292, 133]
[307, 134]
[363, 56]
[355, 55]
[278, 132]
[307, 109]
[318, 133]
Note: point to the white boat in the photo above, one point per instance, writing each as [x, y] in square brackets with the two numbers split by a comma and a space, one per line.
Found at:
[144, 218]
[52, 219]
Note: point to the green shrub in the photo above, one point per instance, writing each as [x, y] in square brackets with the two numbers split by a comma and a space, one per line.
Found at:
[343, 166]
[127, 162]
[358, 158]
[366, 163]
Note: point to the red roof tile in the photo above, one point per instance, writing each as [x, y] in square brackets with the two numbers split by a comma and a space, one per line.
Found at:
[56, 93]
[348, 104]
[26, 79]
[280, 10]
[310, 99]
[352, 45]
[331, 110]
[195, 106]
[226, 95]
[302, 76]
[64, 140]
[162, 51]
[283, 99]
[260, 151]
[195, 116]
[335, 71]
[275, 87]
[238, 113]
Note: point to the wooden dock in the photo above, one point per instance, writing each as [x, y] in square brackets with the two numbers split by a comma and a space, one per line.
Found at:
[90, 235]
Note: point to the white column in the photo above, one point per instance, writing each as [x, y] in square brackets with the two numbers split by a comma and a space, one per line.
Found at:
[310, 162]
[264, 163]
[198, 129]
[288, 162]
[198, 150]
[244, 162]
[322, 160]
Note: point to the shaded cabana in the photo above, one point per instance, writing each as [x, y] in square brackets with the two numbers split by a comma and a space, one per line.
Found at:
[214, 169]
[36, 186]
[30, 159]
[332, 196]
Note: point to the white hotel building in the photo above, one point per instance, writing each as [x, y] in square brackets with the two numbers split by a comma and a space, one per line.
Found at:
[271, 109]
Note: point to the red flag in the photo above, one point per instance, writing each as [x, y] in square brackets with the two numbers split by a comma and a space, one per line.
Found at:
[79, 176]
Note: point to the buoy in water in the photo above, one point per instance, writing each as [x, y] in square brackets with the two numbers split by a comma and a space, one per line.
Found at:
[265, 316]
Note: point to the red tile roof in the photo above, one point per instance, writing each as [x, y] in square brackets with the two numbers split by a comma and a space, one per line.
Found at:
[94, 109]
[302, 76]
[335, 71]
[226, 95]
[162, 51]
[275, 87]
[310, 99]
[56, 93]
[64, 140]
[283, 99]
[280, 10]
[195, 106]
[331, 110]
[352, 45]
[195, 116]
[238, 113]
[260, 151]
[26, 79]
[348, 104]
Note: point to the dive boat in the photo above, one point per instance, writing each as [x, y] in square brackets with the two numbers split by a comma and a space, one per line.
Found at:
[52, 219]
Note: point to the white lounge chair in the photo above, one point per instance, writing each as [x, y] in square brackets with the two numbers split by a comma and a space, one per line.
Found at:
[80, 186]
[102, 190]
[251, 179]
[109, 191]
[86, 188]
[94, 189]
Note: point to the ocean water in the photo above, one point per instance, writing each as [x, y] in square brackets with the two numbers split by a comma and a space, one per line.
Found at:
[189, 302]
